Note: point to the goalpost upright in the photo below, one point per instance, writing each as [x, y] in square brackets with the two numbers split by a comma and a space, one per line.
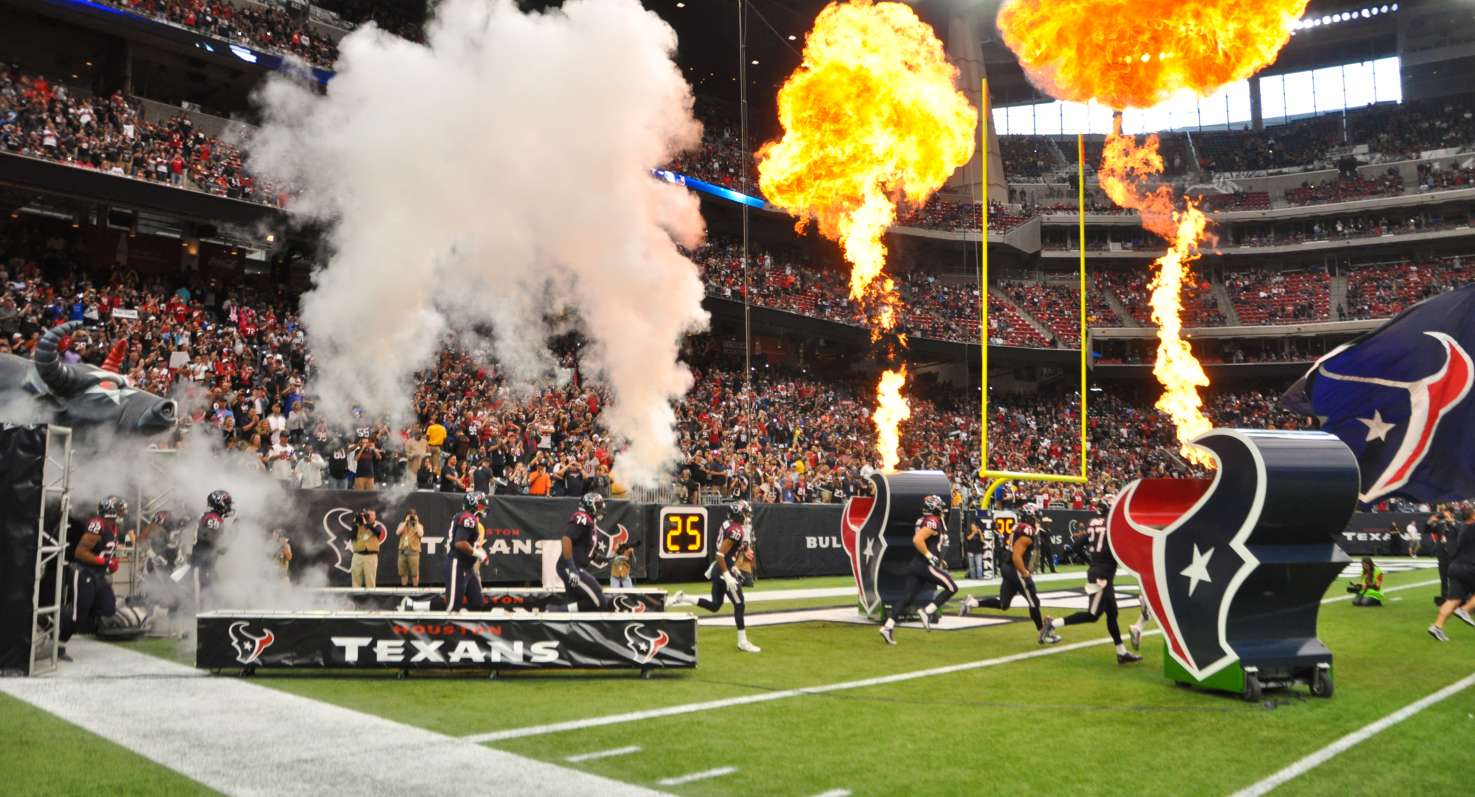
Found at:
[996, 478]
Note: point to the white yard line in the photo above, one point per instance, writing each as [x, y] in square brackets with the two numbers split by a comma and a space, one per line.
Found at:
[764, 697]
[848, 591]
[834, 793]
[242, 739]
[681, 780]
[595, 756]
[1353, 739]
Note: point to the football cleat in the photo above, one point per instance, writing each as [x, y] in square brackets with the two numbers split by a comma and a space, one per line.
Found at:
[1047, 631]
[1438, 633]
[887, 635]
[748, 647]
[1127, 658]
[1136, 634]
[679, 599]
[1464, 615]
[968, 602]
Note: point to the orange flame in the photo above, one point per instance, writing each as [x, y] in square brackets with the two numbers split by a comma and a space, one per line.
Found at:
[1137, 53]
[871, 118]
[891, 409]
[1125, 169]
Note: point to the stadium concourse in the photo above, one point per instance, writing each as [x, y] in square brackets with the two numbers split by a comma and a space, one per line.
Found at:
[143, 197]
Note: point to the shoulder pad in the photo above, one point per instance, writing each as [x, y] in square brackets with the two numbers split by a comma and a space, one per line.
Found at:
[94, 526]
[581, 518]
[469, 521]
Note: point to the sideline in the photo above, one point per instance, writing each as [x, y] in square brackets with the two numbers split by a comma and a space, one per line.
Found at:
[1353, 739]
[764, 697]
[242, 739]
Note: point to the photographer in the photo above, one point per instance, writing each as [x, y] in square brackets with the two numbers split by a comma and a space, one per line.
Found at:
[1368, 588]
[282, 552]
[620, 568]
[366, 456]
[410, 534]
[368, 535]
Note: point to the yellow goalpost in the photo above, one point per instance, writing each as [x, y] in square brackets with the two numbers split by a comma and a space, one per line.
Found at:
[996, 478]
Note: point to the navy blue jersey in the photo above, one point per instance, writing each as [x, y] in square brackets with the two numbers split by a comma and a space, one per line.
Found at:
[465, 527]
[207, 534]
[938, 538]
[583, 533]
[1022, 531]
[107, 539]
[1101, 558]
[734, 532]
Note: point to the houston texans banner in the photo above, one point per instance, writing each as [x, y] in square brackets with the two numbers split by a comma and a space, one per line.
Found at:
[439, 641]
[1234, 567]
[1400, 398]
[876, 533]
[634, 600]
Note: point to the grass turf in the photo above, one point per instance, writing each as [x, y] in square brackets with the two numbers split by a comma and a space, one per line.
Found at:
[41, 754]
[1068, 722]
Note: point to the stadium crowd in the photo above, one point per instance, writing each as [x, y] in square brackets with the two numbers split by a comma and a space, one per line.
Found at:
[110, 134]
[268, 27]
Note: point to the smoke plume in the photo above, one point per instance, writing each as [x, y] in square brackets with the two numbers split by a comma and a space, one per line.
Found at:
[496, 176]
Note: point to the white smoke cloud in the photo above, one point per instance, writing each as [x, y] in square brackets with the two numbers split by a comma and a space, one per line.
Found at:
[494, 176]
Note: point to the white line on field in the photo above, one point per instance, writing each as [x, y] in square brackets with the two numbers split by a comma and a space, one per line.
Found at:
[696, 776]
[764, 697]
[834, 793]
[581, 757]
[1353, 739]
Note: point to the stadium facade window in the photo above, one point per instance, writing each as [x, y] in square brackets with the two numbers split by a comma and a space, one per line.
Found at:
[1283, 98]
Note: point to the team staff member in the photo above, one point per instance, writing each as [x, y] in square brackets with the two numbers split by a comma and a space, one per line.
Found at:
[1369, 588]
[368, 535]
[1100, 590]
[435, 437]
[1017, 579]
[1459, 599]
[410, 535]
[724, 575]
[92, 560]
[581, 545]
[926, 569]
[1442, 531]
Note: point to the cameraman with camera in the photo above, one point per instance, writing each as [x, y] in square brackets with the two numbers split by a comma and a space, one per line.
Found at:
[410, 534]
[368, 535]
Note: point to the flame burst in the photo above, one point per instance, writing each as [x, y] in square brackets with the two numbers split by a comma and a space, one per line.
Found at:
[1137, 53]
[1125, 169]
[891, 409]
[871, 118]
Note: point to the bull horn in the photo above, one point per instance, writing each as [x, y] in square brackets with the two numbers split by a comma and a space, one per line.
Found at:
[59, 378]
[114, 363]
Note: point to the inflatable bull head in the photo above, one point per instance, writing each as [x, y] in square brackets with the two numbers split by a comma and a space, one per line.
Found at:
[81, 396]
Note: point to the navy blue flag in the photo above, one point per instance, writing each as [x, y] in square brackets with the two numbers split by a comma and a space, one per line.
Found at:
[1400, 397]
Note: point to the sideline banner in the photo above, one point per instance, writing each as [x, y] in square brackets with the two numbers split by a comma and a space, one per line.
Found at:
[513, 600]
[377, 640]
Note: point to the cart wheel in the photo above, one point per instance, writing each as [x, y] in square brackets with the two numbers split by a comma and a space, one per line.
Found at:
[492, 675]
[403, 674]
[645, 673]
[1321, 683]
[1252, 691]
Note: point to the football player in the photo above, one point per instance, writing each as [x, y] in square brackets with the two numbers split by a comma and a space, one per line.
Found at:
[1015, 578]
[209, 539]
[91, 561]
[582, 543]
[463, 585]
[926, 570]
[1100, 591]
[723, 573]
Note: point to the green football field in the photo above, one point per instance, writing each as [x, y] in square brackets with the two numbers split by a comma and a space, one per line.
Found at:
[971, 714]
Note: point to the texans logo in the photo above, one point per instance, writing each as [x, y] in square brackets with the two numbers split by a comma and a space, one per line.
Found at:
[864, 544]
[645, 647]
[249, 646]
[1185, 540]
[1394, 441]
[628, 603]
[335, 521]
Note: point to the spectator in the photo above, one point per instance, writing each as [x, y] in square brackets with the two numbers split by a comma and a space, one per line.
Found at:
[621, 569]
